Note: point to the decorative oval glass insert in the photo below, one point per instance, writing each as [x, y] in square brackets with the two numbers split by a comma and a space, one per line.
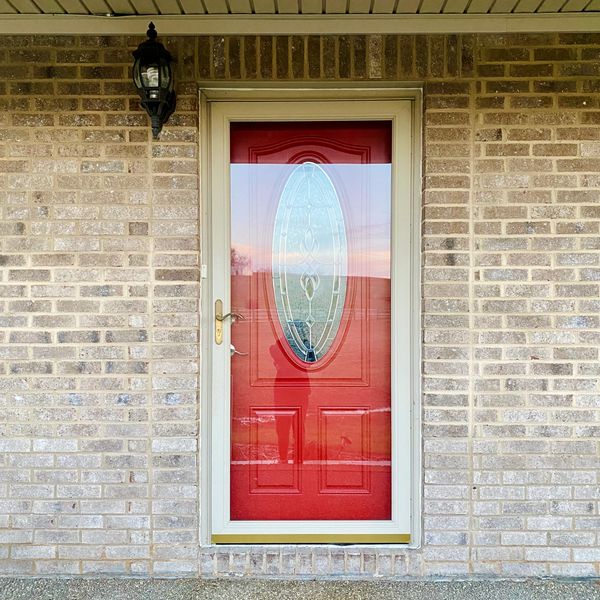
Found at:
[309, 261]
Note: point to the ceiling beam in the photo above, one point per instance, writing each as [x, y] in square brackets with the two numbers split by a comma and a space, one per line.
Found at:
[297, 24]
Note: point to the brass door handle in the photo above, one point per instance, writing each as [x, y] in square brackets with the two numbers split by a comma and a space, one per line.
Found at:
[220, 317]
[234, 317]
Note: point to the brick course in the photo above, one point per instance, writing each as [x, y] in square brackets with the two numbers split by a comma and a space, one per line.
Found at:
[99, 296]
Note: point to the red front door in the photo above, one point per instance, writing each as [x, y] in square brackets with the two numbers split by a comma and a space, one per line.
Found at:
[310, 364]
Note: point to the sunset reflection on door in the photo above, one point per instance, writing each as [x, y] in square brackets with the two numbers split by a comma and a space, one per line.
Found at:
[310, 273]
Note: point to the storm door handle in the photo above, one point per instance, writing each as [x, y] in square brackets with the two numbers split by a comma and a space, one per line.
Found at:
[220, 317]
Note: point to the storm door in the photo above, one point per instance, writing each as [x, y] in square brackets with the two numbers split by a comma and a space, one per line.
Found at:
[303, 319]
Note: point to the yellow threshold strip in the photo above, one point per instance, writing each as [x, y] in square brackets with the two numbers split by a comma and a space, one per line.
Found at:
[311, 538]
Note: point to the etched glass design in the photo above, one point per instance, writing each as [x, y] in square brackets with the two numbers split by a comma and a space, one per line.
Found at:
[310, 258]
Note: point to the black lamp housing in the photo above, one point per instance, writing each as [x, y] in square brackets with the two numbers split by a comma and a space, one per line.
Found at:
[153, 79]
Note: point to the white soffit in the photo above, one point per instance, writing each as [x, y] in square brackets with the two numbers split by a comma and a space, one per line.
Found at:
[288, 17]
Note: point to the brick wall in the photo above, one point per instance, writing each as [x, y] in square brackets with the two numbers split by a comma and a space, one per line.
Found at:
[99, 297]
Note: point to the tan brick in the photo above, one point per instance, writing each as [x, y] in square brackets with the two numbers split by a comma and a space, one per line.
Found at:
[100, 250]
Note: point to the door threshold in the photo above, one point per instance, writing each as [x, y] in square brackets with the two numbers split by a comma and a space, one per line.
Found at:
[311, 538]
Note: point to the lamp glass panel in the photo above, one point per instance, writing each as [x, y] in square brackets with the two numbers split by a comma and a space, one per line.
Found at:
[137, 79]
[166, 81]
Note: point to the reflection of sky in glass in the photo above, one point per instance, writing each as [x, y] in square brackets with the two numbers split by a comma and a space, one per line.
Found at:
[365, 196]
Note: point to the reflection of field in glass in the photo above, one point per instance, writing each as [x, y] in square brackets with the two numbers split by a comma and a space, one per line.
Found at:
[344, 446]
[310, 324]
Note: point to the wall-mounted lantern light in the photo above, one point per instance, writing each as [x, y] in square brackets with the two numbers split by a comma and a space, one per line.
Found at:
[153, 78]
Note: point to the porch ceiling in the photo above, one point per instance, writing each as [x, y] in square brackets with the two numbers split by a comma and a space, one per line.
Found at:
[296, 7]
[188, 17]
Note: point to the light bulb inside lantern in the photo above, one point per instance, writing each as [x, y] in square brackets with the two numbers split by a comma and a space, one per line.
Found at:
[150, 77]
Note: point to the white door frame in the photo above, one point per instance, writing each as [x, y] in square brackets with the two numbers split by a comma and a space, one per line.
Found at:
[218, 107]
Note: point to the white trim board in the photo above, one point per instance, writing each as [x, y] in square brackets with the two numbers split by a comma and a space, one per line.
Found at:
[214, 468]
[298, 24]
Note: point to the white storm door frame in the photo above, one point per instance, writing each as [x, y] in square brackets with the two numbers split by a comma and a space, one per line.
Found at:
[219, 109]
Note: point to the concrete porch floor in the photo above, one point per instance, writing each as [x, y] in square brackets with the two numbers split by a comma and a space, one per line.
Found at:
[251, 589]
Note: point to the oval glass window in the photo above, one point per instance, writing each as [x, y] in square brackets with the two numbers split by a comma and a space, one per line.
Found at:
[310, 257]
